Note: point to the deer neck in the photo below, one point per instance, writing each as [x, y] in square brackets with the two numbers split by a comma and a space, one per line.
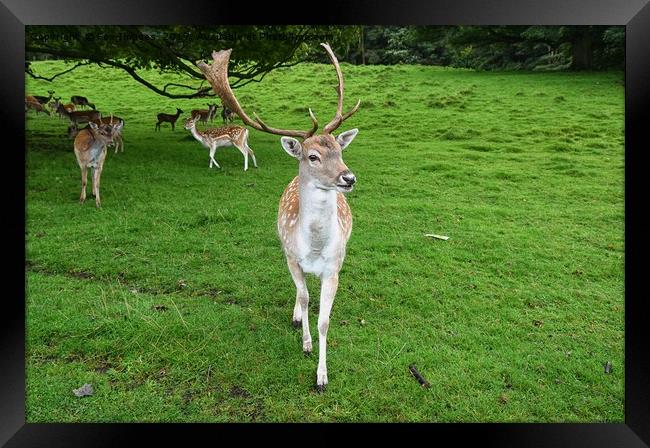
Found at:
[318, 210]
[197, 135]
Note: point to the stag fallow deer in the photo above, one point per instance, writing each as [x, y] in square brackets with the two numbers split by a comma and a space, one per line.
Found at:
[168, 118]
[90, 149]
[314, 219]
[212, 138]
[113, 120]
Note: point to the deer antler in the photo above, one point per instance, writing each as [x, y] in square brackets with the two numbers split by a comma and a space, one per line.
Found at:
[217, 75]
[338, 117]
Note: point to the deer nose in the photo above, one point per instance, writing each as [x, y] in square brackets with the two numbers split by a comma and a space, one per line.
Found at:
[348, 178]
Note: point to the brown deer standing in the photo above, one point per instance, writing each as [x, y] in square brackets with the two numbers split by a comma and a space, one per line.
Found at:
[314, 219]
[90, 149]
[204, 115]
[212, 138]
[227, 115]
[78, 117]
[168, 118]
[54, 105]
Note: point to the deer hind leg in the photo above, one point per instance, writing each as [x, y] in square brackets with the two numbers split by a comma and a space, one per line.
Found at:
[300, 310]
[329, 286]
[244, 151]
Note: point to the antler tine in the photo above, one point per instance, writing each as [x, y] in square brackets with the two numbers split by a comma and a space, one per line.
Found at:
[339, 117]
[217, 76]
[304, 135]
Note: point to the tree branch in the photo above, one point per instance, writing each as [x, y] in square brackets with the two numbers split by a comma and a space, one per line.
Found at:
[29, 71]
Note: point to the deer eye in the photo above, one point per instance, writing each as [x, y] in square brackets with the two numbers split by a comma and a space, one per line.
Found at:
[313, 158]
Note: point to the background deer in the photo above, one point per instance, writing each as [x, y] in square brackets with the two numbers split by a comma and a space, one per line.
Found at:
[78, 117]
[168, 118]
[90, 149]
[78, 100]
[44, 99]
[212, 138]
[33, 103]
[54, 105]
[204, 115]
[227, 115]
[314, 219]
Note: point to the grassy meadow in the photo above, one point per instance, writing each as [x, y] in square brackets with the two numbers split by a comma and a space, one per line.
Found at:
[174, 300]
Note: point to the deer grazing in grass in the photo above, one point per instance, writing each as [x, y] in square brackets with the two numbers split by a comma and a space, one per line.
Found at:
[204, 115]
[168, 118]
[33, 103]
[44, 99]
[79, 116]
[90, 150]
[78, 100]
[212, 138]
[314, 220]
[54, 105]
[118, 141]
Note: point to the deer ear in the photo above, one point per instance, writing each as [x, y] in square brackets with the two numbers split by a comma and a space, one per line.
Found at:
[92, 125]
[292, 146]
[345, 138]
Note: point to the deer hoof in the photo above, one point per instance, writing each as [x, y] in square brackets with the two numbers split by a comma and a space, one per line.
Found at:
[296, 324]
[320, 388]
[307, 353]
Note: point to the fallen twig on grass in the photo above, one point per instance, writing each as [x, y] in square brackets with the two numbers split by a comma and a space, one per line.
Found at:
[418, 376]
[438, 237]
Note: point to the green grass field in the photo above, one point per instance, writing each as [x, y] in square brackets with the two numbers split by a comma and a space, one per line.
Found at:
[174, 300]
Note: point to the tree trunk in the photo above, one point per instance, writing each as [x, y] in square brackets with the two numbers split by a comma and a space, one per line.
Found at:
[582, 51]
[362, 47]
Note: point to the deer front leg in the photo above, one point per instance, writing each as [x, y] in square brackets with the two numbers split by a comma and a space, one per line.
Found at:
[329, 286]
[84, 181]
[300, 309]
[212, 159]
[97, 173]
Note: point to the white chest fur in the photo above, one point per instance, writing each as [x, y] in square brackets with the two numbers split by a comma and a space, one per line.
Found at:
[319, 239]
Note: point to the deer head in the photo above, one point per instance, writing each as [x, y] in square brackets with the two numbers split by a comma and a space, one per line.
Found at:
[320, 155]
[105, 132]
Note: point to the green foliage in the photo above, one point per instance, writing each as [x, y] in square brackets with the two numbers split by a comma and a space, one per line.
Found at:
[497, 47]
[176, 49]
[175, 302]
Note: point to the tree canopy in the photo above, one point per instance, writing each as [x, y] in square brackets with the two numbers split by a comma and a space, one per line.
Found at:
[495, 47]
[257, 50]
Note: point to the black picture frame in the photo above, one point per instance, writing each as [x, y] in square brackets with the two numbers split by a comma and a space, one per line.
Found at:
[634, 14]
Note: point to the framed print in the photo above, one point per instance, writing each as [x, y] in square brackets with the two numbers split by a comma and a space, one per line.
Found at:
[422, 217]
